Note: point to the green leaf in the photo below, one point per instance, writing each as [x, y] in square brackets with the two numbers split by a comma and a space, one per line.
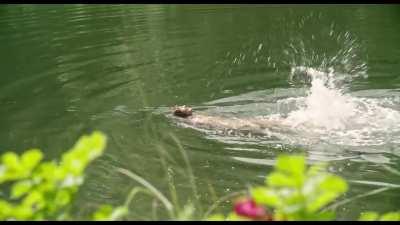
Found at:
[98, 143]
[62, 197]
[31, 158]
[320, 201]
[369, 216]
[34, 199]
[265, 196]
[43, 190]
[298, 193]
[293, 202]
[390, 216]
[84, 151]
[10, 160]
[103, 213]
[334, 183]
[22, 212]
[294, 165]
[323, 216]
[6, 209]
[45, 171]
[328, 188]
[11, 168]
[92, 145]
[20, 188]
[277, 179]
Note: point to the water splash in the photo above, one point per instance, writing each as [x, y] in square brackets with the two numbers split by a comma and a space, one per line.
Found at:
[322, 115]
[344, 59]
[319, 110]
[337, 117]
[324, 107]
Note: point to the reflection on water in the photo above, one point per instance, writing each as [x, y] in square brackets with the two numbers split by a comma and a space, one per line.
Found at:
[70, 69]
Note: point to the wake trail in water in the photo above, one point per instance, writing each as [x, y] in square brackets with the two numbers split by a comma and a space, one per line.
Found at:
[320, 114]
[324, 115]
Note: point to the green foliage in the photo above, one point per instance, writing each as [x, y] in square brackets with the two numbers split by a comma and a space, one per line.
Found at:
[296, 192]
[33, 189]
[41, 190]
[107, 212]
[231, 217]
[373, 216]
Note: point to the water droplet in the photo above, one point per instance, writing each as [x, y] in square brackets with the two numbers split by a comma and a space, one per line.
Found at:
[260, 47]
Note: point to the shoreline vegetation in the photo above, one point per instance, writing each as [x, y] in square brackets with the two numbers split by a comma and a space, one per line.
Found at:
[33, 189]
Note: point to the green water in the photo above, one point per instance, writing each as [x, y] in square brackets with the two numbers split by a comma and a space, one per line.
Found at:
[67, 70]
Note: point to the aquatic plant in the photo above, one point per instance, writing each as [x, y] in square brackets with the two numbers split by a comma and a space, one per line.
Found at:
[44, 190]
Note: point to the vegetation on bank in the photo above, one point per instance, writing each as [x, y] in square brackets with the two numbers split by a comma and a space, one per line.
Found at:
[33, 189]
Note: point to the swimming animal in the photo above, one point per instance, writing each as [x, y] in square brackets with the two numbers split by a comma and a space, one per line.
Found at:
[255, 125]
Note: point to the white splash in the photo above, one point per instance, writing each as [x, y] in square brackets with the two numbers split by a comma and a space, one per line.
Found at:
[331, 115]
[323, 115]
[323, 107]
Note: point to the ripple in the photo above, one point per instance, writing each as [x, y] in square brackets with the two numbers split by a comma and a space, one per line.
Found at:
[329, 146]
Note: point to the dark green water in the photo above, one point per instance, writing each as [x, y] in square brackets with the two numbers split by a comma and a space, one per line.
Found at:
[67, 70]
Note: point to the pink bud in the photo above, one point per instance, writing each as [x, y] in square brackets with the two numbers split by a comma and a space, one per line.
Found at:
[248, 208]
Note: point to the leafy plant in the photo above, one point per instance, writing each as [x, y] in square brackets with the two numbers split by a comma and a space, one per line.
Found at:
[33, 189]
[40, 190]
[297, 192]
[293, 191]
[373, 216]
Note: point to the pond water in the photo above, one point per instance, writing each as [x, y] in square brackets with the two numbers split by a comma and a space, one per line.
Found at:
[330, 73]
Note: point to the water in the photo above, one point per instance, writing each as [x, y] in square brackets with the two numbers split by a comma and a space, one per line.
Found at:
[323, 114]
[329, 74]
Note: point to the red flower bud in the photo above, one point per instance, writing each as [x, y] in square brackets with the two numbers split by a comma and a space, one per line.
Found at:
[248, 208]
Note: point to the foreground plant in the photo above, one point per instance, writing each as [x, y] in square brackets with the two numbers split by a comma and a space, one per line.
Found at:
[373, 216]
[292, 191]
[39, 190]
[32, 189]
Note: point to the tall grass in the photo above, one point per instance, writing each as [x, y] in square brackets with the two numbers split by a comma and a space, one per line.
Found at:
[172, 205]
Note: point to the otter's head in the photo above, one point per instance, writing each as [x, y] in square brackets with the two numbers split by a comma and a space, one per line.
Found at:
[182, 111]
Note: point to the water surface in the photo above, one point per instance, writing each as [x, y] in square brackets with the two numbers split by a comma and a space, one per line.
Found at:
[67, 70]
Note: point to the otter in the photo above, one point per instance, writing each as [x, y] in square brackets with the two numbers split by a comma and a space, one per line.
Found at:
[182, 111]
[255, 126]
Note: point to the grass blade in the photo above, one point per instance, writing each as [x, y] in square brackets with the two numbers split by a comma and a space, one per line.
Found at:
[149, 186]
